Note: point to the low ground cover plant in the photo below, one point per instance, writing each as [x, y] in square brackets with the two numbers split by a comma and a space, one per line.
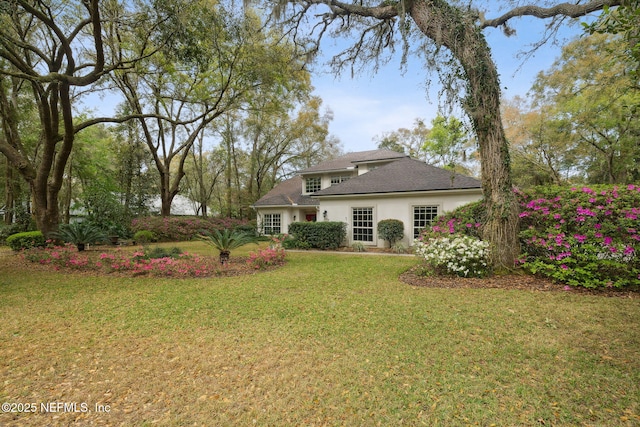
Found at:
[582, 236]
[159, 262]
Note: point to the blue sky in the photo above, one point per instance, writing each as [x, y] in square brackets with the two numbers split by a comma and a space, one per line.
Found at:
[372, 104]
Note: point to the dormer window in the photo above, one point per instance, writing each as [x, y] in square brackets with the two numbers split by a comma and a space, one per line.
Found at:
[313, 184]
[338, 179]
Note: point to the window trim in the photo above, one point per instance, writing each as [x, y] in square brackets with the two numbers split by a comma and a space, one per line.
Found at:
[339, 179]
[317, 184]
[427, 222]
[269, 218]
[356, 224]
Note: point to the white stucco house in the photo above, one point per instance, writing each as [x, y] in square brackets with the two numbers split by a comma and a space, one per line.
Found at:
[363, 188]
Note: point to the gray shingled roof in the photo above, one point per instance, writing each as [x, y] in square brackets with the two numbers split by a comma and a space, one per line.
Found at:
[286, 193]
[350, 159]
[401, 176]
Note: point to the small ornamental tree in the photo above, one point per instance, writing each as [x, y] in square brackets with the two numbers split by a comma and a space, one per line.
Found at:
[391, 230]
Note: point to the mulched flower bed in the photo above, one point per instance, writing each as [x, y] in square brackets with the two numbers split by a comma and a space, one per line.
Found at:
[236, 266]
[508, 281]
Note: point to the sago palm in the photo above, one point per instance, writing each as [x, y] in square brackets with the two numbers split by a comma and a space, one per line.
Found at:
[226, 240]
[80, 234]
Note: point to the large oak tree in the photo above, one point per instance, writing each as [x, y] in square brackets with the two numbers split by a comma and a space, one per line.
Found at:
[455, 29]
[52, 52]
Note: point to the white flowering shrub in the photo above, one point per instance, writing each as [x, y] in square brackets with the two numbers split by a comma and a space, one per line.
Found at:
[462, 255]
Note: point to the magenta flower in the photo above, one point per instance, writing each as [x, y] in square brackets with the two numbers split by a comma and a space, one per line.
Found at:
[587, 212]
[580, 238]
[588, 190]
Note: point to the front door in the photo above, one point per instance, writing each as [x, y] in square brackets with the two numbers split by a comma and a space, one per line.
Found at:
[311, 217]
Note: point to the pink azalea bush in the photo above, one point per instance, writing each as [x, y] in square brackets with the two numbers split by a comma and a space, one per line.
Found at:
[177, 229]
[135, 264]
[273, 255]
[581, 236]
[58, 256]
[466, 220]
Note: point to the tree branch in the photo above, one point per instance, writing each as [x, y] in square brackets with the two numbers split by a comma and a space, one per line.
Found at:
[565, 9]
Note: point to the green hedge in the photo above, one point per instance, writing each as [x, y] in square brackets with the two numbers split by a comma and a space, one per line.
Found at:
[318, 235]
[26, 240]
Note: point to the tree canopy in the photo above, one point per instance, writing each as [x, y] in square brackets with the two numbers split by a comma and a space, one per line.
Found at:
[582, 125]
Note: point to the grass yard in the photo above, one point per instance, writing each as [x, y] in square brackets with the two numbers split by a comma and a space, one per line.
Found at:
[328, 339]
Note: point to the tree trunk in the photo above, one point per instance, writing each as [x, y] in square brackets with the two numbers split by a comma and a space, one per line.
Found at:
[9, 195]
[456, 30]
[46, 214]
[166, 198]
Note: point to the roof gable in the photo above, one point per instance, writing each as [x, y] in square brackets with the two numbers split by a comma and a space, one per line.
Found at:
[349, 160]
[288, 192]
[401, 176]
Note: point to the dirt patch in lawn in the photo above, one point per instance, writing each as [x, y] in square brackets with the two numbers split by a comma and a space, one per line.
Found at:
[507, 281]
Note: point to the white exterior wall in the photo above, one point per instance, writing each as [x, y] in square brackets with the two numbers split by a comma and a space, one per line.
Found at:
[287, 215]
[392, 207]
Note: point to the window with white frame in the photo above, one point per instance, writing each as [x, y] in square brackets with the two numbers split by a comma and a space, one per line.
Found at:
[271, 223]
[423, 217]
[362, 220]
[338, 179]
[313, 184]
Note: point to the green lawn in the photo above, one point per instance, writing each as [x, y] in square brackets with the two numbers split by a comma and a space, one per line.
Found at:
[329, 339]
